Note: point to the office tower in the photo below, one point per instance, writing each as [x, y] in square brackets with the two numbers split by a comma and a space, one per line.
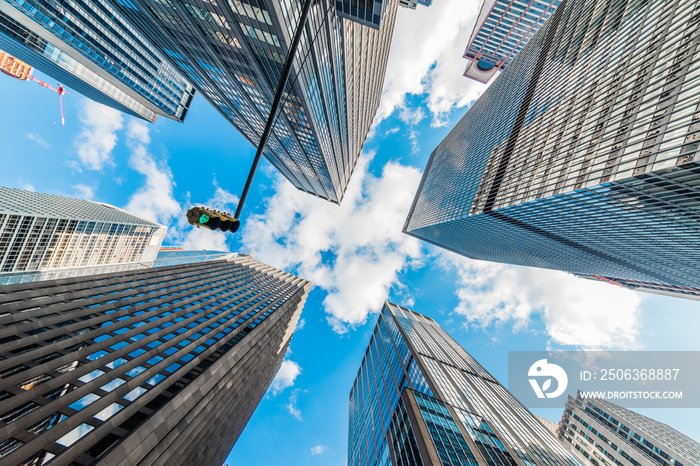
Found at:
[157, 366]
[43, 236]
[581, 155]
[501, 30]
[13, 67]
[233, 52]
[603, 433]
[90, 48]
[675, 291]
[419, 399]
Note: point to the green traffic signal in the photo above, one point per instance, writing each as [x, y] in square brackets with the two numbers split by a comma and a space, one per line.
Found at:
[204, 218]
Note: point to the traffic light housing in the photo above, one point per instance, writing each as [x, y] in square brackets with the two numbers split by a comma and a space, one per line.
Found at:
[212, 219]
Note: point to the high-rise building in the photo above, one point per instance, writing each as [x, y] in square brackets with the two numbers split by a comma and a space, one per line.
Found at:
[234, 52]
[89, 47]
[603, 433]
[582, 155]
[43, 236]
[419, 399]
[157, 366]
[675, 291]
[501, 30]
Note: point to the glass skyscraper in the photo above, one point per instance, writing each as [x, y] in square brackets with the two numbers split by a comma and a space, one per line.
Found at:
[157, 366]
[603, 433]
[234, 52]
[502, 29]
[89, 47]
[419, 399]
[582, 155]
[43, 236]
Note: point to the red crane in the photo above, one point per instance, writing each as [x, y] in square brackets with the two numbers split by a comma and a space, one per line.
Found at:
[60, 92]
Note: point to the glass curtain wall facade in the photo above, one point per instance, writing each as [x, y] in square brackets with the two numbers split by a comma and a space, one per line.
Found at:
[89, 47]
[603, 433]
[234, 52]
[43, 237]
[581, 155]
[157, 366]
[502, 29]
[420, 399]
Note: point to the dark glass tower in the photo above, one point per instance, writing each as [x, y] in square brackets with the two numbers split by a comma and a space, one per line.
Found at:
[89, 47]
[158, 366]
[582, 155]
[603, 433]
[234, 51]
[419, 399]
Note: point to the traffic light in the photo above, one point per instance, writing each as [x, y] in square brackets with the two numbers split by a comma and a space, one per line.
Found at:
[212, 219]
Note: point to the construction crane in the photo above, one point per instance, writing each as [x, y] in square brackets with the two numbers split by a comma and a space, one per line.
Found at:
[22, 71]
[60, 92]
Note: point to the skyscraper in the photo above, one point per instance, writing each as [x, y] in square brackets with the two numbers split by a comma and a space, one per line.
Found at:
[89, 47]
[501, 30]
[43, 236]
[157, 366]
[581, 155]
[603, 433]
[419, 399]
[234, 52]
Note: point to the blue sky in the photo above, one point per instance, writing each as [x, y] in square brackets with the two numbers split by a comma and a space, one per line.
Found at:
[355, 254]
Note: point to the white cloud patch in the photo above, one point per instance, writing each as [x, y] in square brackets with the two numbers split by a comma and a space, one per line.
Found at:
[575, 311]
[38, 139]
[426, 57]
[292, 405]
[289, 371]
[27, 187]
[319, 449]
[154, 200]
[99, 136]
[354, 251]
[83, 191]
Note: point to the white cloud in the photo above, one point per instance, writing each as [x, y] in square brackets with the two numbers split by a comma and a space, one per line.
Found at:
[154, 200]
[292, 405]
[289, 370]
[83, 191]
[575, 311]
[99, 136]
[426, 57]
[27, 186]
[354, 251]
[319, 449]
[38, 139]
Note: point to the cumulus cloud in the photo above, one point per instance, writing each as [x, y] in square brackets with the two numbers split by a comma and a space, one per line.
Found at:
[154, 200]
[575, 311]
[426, 58]
[319, 449]
[355, 251]
[99, 136]
[38, 139]
[83, 191]
[289, 371]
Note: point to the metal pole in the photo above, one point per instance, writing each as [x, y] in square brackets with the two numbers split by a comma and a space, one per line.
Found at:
[275, 104]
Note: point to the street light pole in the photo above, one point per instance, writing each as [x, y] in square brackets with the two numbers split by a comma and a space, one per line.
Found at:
[275, 104]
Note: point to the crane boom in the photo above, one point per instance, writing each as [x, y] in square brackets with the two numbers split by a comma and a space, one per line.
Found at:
[61, 91]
